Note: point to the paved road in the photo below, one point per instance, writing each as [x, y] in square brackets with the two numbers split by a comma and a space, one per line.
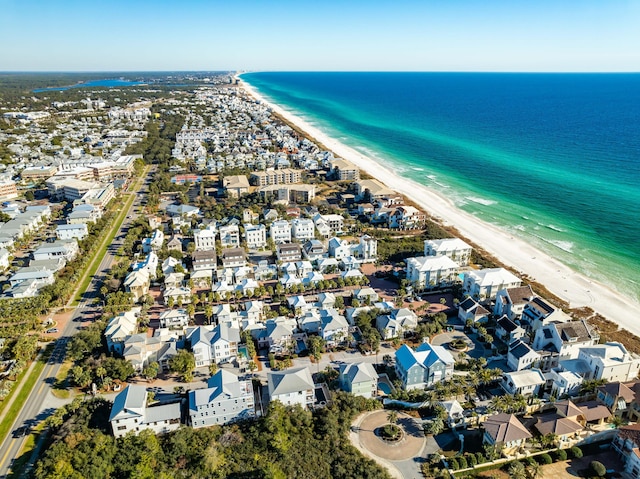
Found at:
[35, 408]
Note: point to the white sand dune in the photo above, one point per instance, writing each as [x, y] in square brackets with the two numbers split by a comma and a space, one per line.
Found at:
[567, 284]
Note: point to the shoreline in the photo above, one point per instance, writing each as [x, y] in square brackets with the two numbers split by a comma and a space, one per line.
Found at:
[574, 288]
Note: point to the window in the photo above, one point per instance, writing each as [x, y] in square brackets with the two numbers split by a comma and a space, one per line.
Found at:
[122, 428]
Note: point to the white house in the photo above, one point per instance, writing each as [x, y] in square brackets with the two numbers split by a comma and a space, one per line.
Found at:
[526, 382]
[611, 362]
[454, 248]
[484, 284]
[226, 399]
[431, 271]
[211, 345]
[130, 413]
[153, 242]
[67, 249]
[255, 235]
[280, 231]
[521, 356]
[71, 231]
[174, 319]
[229, 236]
[205, 239]
[303, 229]
[291, 387]
[4, 259]
[119, 328]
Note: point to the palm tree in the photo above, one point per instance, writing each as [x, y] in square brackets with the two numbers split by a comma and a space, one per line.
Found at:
[535, 470]
[392, 416]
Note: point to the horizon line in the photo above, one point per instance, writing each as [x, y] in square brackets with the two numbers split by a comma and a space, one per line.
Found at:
[240, 72]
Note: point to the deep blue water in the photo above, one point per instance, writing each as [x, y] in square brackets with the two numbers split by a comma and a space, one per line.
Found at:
[553, 158]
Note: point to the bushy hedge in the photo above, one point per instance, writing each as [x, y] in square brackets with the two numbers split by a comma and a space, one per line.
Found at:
[544, 459]
[576, 452]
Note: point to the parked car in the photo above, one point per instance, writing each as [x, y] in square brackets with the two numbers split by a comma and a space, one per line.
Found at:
[51, 330]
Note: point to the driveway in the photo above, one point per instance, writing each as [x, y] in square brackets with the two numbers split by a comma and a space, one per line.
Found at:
[403, 458]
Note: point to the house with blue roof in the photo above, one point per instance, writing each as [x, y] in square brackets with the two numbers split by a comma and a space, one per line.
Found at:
[423, 367]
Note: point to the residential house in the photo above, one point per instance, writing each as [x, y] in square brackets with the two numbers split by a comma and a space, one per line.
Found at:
[280, 231]
[227, 399]
[611, 362]
[214, 345]
[236, 185]
[205, 239]
[561, 341]
[565, 424]
[289, 252]
[627, 444]
[470, 309]
[291, 387]
[119, 328]
[505, 431]
[255, 235]
[396, 323]
[229, 236]
[333, 327]
[425, 272]
[510, 302]
[67, 249]
[154, 242]
[454, 248]
[130, 413]
[526, 382]
[423, 367]
[314, 250]
[72, 231]
[303, 229]
[179, 296]
[137, 283]
[367, 250]
[538, 313]
[564, 383]
[521, 356]
[360, 379]
[366, 295]
[484, 284]
[508, 331]
[202, 260]
[174, 319]
[620, 398]
[233, 258]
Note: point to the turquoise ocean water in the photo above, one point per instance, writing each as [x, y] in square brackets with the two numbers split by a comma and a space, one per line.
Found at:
[552, 158]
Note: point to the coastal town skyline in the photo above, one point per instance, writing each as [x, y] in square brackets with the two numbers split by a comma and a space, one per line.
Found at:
[376, 36]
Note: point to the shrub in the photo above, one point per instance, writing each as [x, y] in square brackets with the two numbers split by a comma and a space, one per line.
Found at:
[576, 452]
[480, 458]
[471, 459]
[561, 455]
[462, 461]
[545, 459]
[453, 464]
[598, 468]
[530, 461]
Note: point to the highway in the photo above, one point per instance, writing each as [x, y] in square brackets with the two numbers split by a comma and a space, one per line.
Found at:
[36, 408]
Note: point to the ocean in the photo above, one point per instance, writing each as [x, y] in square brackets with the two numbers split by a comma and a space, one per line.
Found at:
[551, 158]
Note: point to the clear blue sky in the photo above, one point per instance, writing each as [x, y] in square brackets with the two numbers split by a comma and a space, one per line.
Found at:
[424, 35]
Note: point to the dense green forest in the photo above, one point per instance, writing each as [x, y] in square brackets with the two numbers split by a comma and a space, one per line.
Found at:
[286, 443]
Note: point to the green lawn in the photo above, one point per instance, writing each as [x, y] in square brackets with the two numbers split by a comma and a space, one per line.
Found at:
[9, 414]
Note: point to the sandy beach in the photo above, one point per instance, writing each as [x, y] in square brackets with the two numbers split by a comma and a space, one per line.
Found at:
[567, 284]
